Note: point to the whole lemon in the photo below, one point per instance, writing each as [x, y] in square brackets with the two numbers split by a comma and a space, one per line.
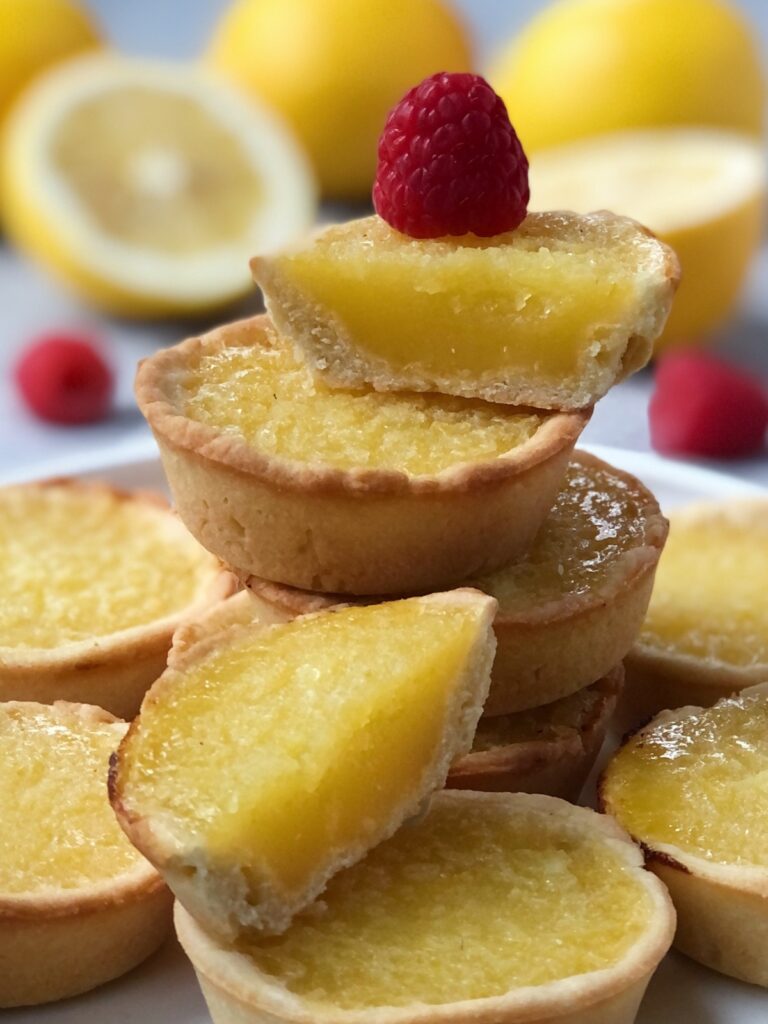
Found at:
[35, 34]
[584, 67]
[334, 69]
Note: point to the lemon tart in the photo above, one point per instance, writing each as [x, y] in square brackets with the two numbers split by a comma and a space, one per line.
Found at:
[322, 733]
[95, 580]
[571, 608]
[692, 787]
[549, 315]
[706, 632]
[550, 749]
[493, 907]
[356, 492]
[78, 904]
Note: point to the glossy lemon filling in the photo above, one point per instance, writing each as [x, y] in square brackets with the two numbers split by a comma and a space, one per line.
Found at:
[598, 517]
[710, 599]
[467, 903]
[265, 395]
[537, 300]
[78, 564]
[700, 784]
[58, 829]
[161, 172]
[289, 745]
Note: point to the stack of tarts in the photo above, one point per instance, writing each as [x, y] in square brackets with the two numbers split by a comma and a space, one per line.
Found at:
[439, 591]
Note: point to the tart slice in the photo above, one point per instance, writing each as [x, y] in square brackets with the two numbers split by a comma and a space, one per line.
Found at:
[348, 491]
[550, 749]
[571, 608]
[493, 907]
[705, 635]
[267, 758]
[549, 315]
[692, 787]
[79, 905]
[95, 581]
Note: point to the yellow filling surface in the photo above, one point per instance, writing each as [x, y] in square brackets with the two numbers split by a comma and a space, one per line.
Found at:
[468, 903]
[290, 745]
[710, 599]
[700, 784]
[77, 564]
[597, 517]
[263, 394]
[533, 300]
[156, 170]
[57, 826]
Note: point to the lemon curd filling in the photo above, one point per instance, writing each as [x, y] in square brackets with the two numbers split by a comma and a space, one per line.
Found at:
[538, 298]
[469, 902]
[700, 784]
[265, 395]
[83, 563]
[709, 599]
[58, 829]
[290, 745]
[597, 518]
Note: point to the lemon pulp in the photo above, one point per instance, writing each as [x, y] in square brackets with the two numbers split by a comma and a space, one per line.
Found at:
[77, 564]
[58, 828]
[264, 394]
[598, 517]
[700, 784]
[288, 745]
[709, 599]
[461, 905]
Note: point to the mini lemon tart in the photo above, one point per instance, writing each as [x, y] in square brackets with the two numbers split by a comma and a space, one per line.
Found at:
[692, 787]
[78, 904]
[356, 492]
[266, 758]
[549, 315]
[550, 749]
[493, 907]
[572, 607]
[95, 581]
[706, 632]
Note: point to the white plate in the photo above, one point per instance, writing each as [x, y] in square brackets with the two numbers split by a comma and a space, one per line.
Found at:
[164, 990]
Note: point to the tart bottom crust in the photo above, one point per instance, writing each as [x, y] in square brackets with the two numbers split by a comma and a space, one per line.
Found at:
[54, 954]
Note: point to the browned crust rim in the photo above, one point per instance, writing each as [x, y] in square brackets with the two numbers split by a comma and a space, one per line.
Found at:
[94, 652]
[744, 878]
[628, 570]
[523, 1004]
[558, 431]
[134, 885]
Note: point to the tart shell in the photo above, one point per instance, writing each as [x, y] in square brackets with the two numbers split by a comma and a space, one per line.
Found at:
[113, 671]
[61, 943]
[358, 531]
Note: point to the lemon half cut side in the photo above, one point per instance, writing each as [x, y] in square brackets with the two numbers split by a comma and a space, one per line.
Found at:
[146, 186]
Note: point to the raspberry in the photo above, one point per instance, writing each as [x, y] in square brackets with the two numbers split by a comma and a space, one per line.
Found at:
[450, 162]
[64, 379]
[702, 406]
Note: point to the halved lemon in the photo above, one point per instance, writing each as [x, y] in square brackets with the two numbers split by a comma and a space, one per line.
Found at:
[146, 186]
[701, 191]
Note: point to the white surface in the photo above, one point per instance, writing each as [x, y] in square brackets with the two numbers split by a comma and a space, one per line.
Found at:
[164, 990]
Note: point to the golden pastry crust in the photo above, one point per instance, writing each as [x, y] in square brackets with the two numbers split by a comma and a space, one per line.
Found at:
[550, 649]
[343, 360]
[555, 760]
[112, 671]
[722, 908]
[658, 678]
[61, 942]
[238, 993]
[355, 531]
[222, 899]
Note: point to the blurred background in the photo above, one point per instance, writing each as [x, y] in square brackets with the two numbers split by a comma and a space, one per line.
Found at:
[133, 191]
